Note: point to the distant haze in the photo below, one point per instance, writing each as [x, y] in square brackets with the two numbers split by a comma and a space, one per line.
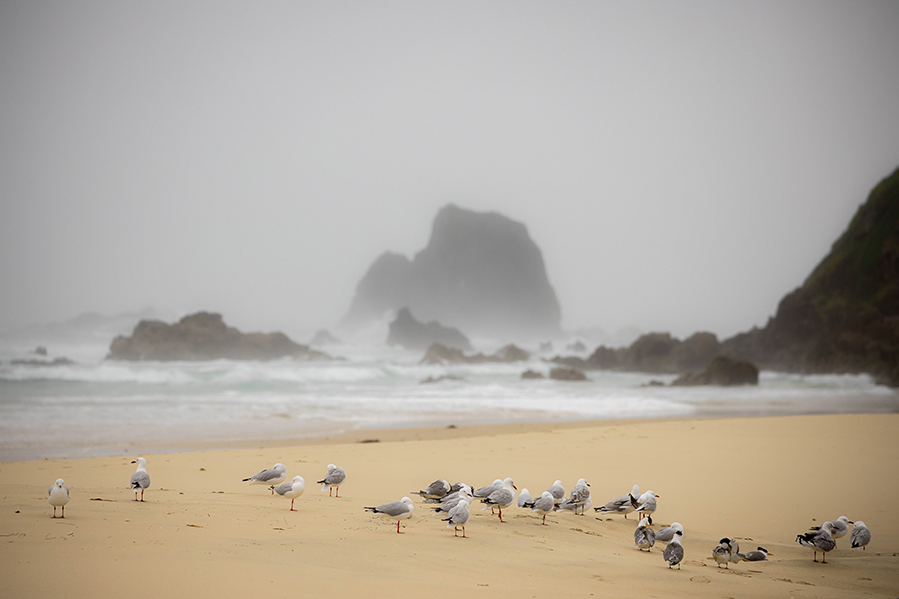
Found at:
[681, 165]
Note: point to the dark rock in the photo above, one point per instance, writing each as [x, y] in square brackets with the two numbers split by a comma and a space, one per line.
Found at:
[203, 336]
[324, 337]
[564, 373]
[605, 358]
[722, 371]
[653, 383]
[653, 352]
[40, 350]
[571, 362]
[440, 354]
[407, 332]
[532, 374]
[480, 272]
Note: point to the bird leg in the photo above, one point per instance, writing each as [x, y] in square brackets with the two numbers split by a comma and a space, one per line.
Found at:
[544, 520]
[337, 492]
[823, 558]
[291, 505]
[398, 528]
[63, 511]
[501, 515]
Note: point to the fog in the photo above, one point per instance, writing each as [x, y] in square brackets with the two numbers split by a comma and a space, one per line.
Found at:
[681, 165]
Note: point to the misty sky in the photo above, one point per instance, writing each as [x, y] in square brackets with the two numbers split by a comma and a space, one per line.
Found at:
[682, 165]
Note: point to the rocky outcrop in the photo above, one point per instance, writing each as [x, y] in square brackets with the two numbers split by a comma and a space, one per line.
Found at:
[480, 272]
[532, 375]
[565, 373]
[407, 332]
[654, 352]
[203, 336]
[440, 354]
[845, 316]
[324, 337]
[722, 371]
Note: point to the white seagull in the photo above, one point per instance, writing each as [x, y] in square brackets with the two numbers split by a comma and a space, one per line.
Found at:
[524, 498]
[861, 536]
[396, 510]
[558, 492]
[501, 497]
[839, 528]
[820, 540]
[58, 496]
[436, 490]
[646, 504]
[668, 533]
[579, 498]
[760, 555]
[270, 477]
[292, 489]
[543, 505]
[334, 478]
[140, 480]
[458, 516]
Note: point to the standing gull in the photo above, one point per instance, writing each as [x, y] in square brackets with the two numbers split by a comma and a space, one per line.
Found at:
[861, 536]
[524, 498]
[543, 505]
[334, 478]
[820, 540]
[58, 496]
[622, 505]
[458, 516]
[722, 552]
[839, 528]
[396, 510]
[292, 489]
[558, 492]
[644, 537]
[275, 475]
[579, 498]
[668, 533]
[501, 497]
[140, 480]
[674, 552]
[645, 504]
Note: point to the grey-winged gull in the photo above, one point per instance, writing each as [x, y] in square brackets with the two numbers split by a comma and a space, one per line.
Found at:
[820, 540]
[270, 477]
[674, 552]
[543, 505]
[839, 528]
[58, 496]
[140, 480]
[861, 536]
[579, 498]
[436, 490]
[501, 497]
[558, 492]
[397, 510]
[333, 479]
[458, 516]
[292, 489]
[524, 498]
[760, 555]
[645, 504]
[666, 534]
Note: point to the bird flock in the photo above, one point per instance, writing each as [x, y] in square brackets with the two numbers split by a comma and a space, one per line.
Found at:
[453, 504]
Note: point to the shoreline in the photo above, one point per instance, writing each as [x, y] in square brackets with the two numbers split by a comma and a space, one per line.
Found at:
[702, 411]
[759, 480]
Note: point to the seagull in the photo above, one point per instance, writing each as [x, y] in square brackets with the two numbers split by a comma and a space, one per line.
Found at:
[755, 556]
[275, 475]
[543, 504]
[722, 552]
[674, 552]
[644, 537]
[501, 497]
[579, 498]
[839, 528]
[666, 534]
[458, 516]
[436, 490]
[861, 536]
[447, 506]
[735, 550]
[645, 504]
[622, 505]
[58, 496]
[140, 480]
[820, 540]
[292, 489]
[486, 491]
[334, 478]
[396, 510]
[524, 498]
[558, 492]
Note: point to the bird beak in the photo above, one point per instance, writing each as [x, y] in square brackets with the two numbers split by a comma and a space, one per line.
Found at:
[134, 461]
[514, 487]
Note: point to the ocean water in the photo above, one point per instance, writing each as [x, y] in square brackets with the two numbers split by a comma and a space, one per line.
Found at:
[100, 407]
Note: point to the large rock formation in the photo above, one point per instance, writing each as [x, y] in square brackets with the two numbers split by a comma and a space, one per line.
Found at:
[845, 316]
[480, 272]
[653, 352]
[722, 371]
[203, 336]
[440, 354]
[407, 332]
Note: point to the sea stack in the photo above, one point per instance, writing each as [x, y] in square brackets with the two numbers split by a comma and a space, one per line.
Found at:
[480, 273]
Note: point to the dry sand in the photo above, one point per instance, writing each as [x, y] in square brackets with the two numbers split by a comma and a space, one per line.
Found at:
[202, 532]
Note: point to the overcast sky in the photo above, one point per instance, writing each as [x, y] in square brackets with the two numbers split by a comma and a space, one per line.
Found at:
[682, 165]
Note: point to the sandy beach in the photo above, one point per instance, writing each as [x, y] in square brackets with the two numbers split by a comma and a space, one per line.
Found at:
[203, 532]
